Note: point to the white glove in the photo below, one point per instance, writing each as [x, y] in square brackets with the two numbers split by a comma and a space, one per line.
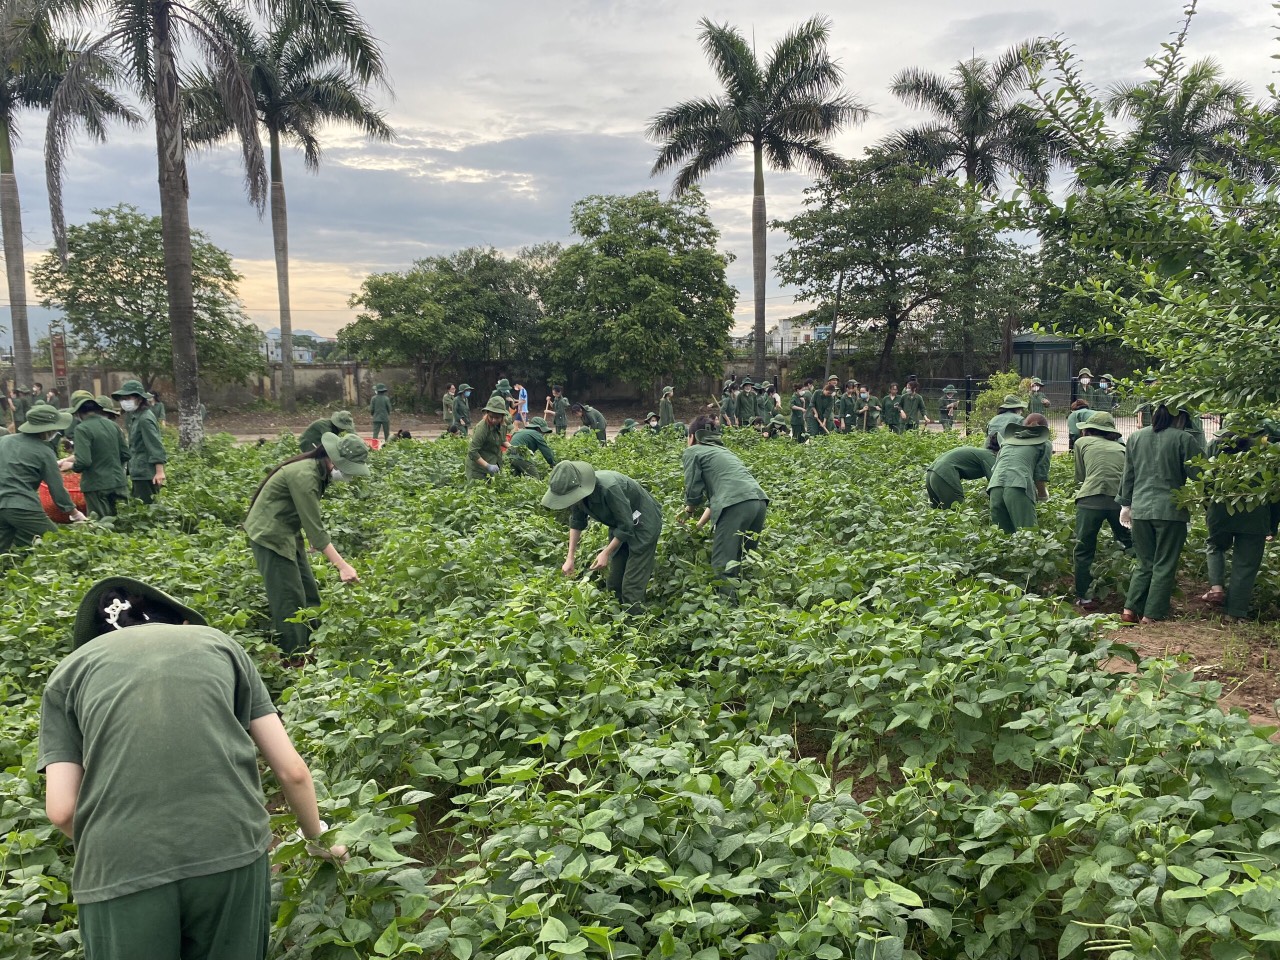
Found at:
[336, 852]
[78, 517]
[1126, 517]
[492, 468]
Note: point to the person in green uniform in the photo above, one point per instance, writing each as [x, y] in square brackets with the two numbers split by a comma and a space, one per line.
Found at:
[650, 421]
[1012, 410]
[22, 402]
[948, 403]
[1099, 458]
[341, 422]
[666, 413]
[1108, 393]
[592, 419]
[146, 451]
[1146, 408]
[1039, 402]
[867, 411]
[150, 733]
[767, 401]
[446, 406]
[799, 409]
[1020, 475]
[777, 427]
[99, 456]
[462, 408]
[846, 407]
[746, 404]
[729, 404]
[159, 409]
[488, 442]
[1158, 464]
[822, 407]
[285, 506]
[558, 410]
[380, 412]
[628, 426]
[1080, 412]
[736, 505]
[529, 440]
[1244, 533]
[942, 478]
[891, 409]
[25, 462]
[629, 511]
[913, 408]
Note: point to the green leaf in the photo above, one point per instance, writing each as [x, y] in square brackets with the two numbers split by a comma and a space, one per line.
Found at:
[1073, 935]
[900, 894]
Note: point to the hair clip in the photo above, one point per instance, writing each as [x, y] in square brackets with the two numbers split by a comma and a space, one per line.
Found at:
[113, 610]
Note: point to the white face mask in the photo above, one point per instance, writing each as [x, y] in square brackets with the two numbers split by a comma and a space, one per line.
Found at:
[863, 395]
[1035, 388]
[1085, 381]
[129, 404]
[337, 476]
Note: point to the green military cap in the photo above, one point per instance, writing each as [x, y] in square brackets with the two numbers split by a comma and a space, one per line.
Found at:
[778, 421]
[1085, 372]
[343, 421]
[1106, 376]
[503, 387]
[539, 424]
[349, 454]
[21, 388]
[1020, 435]
[666, 390]
[131, 388]
[1150, 378]
[380, 388]
[464, 386]
[728, 383]
[496, 405]
[766, 385]
[108, 406]
[1101, 421]
[79, 399]
[748, 382]
[92, 622]
[570, 481]
[43, 418]
[680, 426]
[1012, 402]
[651, 415]
[949, 388]
[628, 425]
[833, 377]
[1037, 382]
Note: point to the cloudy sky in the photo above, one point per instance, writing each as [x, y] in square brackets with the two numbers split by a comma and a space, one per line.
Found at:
[508, 112]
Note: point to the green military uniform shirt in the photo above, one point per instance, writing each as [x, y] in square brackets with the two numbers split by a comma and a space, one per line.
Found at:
[21, 405]
[315, 431]
[25, 461]
[380, 408]
[560, 413]
[145, 446]
[889, 407]
[867, 413]
[1156, 465]
[160, 411]
[798, 399]
[531, 439]
[1099, 469]
[158, 716]
[287, 507]
[715, 474]
[100, 456]
[1022, 466]
[912, 405]
[486, 443]
[666, 415]
[462, 410]
[622, 505]
[729, 407]
[824, 406]
[595, 420]
[1076, 418]
[947, 407]
[447, 406]
[997, 423]
[963, 463]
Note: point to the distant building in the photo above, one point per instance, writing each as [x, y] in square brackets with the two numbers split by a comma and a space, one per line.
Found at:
[304, 345]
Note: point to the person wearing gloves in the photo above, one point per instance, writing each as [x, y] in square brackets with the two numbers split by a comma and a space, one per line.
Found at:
[462, 408]
[947, 405]
[1245, 533]
[287, 505]
[1039, 401]
[25, 461]
[380, 412]
[1012, 410]
[1020, 474]
[146, 451]
[1157, 465]
[489, 441]
[942, 479]
[736, 504]
[530, 440]
[99, 456]
[666, 414]
[150, 733]
[340, 423]
[1099, 457]
[592, 419]
[632, 515]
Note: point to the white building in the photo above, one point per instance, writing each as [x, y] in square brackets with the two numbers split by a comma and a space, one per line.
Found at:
[303, 345]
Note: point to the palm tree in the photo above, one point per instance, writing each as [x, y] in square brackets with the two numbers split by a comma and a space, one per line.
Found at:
[782, 109]
[300, 82]
[1195, 118]
[983, 130]
[33, 61]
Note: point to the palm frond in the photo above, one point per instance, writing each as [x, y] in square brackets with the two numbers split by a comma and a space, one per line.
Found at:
[925, 91]
[732, 60]
[714, 154]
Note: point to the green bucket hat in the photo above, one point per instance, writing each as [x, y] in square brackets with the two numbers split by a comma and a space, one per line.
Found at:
[108, 406]
[343, 421]
[778, 421]
[90, 623]
[43, 418]
[380, 388]
[666, 390]
[949, 388]
[1084, 372]
[728, 383]
[1037, 382]
[1019, 435]
[464, 387]
[130, 388]
[833, 379]
[503, 387]
[21, 388]
[349, 454]
[1108, 377]
[79, 399]
[628, 425]
[1012, 402]
[748, 382]
[570, 481]
[539, 424]
[1150, 378]
[650, 416]
[1101, 421]
[496, 405]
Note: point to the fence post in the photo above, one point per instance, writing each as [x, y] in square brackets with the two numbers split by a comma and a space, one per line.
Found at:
[968, 403]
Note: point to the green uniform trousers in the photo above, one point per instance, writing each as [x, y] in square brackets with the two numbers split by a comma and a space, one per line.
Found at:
[291, 586]
[797, 430]
[941, 493]
[629, 571]
[384, 426]
[102, 502]
[1012, 509]
[736, 532]
[1088, 524]
[144, 490]
[220, 916]
[1246, 559]
[948, 424]
[21, 527]
[1158, 544]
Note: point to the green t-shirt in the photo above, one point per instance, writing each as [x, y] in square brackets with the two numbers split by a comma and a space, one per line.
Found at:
[963, 463]
[380, 408]
[100, 456]
[288, 505]
[145, 446]
[24, 462]
[314, 433]
[486, 444]
[1099, 467]
[715, 474]
[158, 716]
[621, 504]
[531, 440]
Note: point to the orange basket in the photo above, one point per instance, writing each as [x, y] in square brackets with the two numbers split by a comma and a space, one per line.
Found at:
[375, 443]
[72, 482]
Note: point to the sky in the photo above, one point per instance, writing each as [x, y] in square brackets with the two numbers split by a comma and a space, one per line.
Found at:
[508, 112]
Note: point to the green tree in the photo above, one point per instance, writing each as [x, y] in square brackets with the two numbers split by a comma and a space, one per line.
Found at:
[783, 110]
[643, 295]
[301, 82]
[112, 289]
[983, 129]
[33, 61]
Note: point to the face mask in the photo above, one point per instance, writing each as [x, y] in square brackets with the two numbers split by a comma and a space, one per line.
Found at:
[337, 476]
[863, 395]
[128, 404]
[1085, 381]
[1104, 385]
[466, 393]
[1035, 389]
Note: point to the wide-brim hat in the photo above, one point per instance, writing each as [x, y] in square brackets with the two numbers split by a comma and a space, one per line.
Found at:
[79, 399]
[496, 405]
[833, 378]
[464, 386]
[21, 388]
[570, 481]
[728, 383]
[541, 425]
[778, 421]
[348, 453]
[1020, 435]
[131, 388]
[666, 390]
[89, 623]
[343, 420]
[628, 424]
[949, 388]
[651, 416]
[1037, 382]
[1011, 402]
[1101, 421]
[503, 384]
[380, 388]
[43, 418]
[1084, 372]
[747, 382]
[108, 405]
[1150, 379]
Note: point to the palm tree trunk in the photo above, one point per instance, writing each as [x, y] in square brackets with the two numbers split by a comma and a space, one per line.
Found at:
[758, 264]
[176, 230]
[280, 234]
[14, 261]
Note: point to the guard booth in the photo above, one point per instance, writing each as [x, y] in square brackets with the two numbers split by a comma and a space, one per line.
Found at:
[1045, 356]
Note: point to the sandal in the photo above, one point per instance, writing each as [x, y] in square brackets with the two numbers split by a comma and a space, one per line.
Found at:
[1128, 616]
[1215, 597]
